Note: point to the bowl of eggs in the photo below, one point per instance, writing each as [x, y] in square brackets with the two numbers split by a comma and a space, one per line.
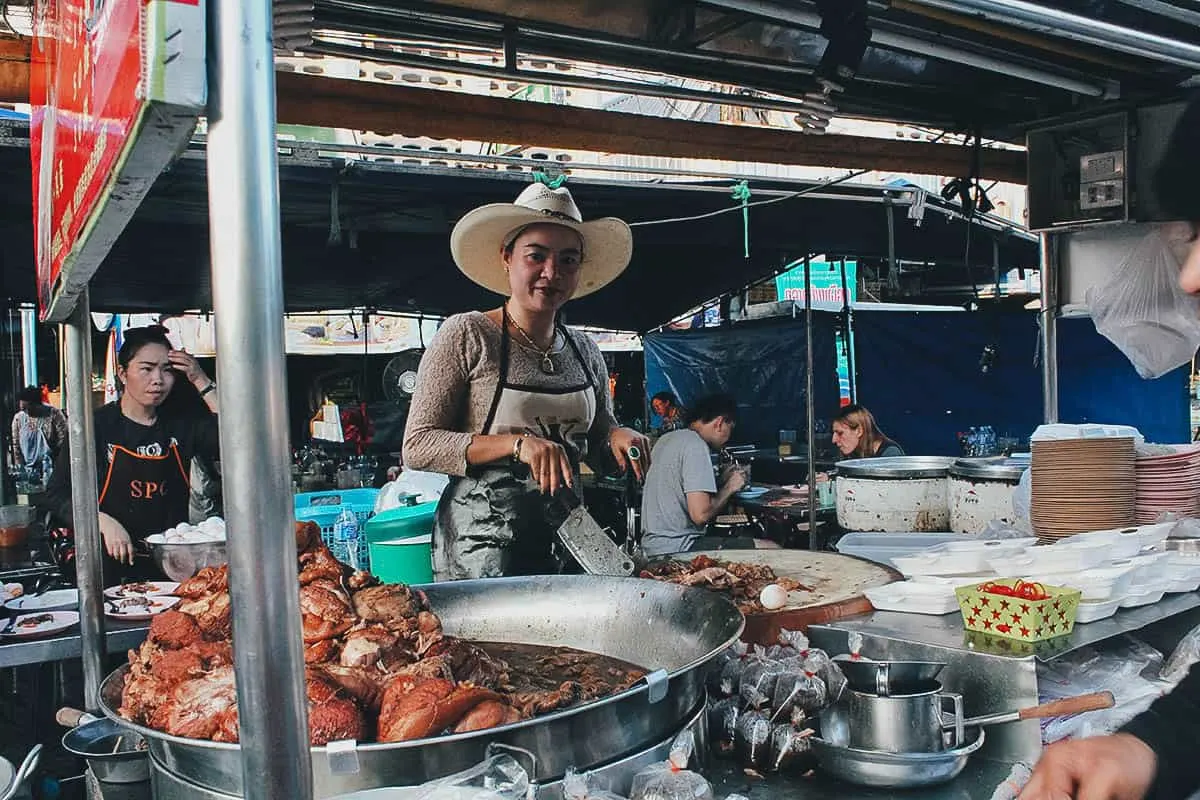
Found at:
[184, 550]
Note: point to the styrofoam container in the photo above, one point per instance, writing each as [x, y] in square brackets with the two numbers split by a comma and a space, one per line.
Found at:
[1090, 611]
[954, 581]
[1061, 557]
[883, 547]
[1126, 542]
[914, 598]
[959, 558]
[1096, 584]
[1146, 568]
[1145, 595]
[1182, 585]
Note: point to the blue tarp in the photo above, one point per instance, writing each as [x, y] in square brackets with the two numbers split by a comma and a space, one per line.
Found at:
[760, 363]
[920, 375]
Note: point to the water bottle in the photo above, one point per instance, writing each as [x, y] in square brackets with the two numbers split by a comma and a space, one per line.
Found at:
[345, 533]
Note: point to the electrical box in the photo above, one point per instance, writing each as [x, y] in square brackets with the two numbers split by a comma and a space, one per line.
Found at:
[1078, 173]
[1100, 170]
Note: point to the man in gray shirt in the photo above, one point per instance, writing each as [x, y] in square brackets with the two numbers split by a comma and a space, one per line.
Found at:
[680, 496]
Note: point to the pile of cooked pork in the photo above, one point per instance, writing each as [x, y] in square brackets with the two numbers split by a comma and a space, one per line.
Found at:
[377, 663]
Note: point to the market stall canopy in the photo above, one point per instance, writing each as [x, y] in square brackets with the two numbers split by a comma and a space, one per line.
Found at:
[390, 250]
[992, 66]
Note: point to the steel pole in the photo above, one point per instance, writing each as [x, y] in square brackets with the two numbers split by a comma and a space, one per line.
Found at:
[1049, 327]
[247, 281]
[1088, 30]
[29, 366]
[89, 550]
[848, 321]
[812, 414]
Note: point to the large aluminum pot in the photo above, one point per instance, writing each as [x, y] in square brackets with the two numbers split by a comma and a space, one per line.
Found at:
[902, 494]
[658, 626]
[981, 490]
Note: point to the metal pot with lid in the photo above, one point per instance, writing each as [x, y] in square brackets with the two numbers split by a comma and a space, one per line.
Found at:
[981, 490]
[902, 494]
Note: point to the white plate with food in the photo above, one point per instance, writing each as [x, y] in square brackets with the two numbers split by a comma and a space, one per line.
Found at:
[30, 626]
[140, 589]
[57, 600]
[138, 608]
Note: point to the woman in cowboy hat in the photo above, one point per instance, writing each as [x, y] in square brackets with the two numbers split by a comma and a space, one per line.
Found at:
[509, 401]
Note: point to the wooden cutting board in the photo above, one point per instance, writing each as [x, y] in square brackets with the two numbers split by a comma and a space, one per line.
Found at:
[837, 582]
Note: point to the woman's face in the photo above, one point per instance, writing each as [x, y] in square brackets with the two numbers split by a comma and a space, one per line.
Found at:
[660, 406]
[543, 266]
[845, 438]
[148, 378]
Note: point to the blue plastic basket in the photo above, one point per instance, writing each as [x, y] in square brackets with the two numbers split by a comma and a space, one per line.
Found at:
[323, 508]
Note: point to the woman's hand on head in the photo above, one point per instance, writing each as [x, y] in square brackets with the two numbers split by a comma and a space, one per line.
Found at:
[621, 441]
[548, 463]
[185, 363]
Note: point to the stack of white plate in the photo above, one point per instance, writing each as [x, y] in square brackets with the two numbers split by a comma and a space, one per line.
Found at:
[1169, 482]
[1082, 485]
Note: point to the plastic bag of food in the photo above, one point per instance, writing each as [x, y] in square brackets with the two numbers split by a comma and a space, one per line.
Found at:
[790, 645]
[803, 691]
[759, 679]
[730, 675]
[722, 724]
[583, 787]
[498, 777]
[790, 750]
[1143, 310]
[1186, 653]
[671, 779]
[752, 740]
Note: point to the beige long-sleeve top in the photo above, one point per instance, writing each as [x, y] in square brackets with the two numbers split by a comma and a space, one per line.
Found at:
[457, 381]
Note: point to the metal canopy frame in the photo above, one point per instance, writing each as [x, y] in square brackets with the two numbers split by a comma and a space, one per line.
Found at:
[247, 277]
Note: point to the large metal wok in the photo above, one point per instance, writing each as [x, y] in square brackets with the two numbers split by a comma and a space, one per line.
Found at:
[655, 625]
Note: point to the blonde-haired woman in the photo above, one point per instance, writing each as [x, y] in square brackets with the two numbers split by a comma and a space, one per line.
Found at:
[856, 435]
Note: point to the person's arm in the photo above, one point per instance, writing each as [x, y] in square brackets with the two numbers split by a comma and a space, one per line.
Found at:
[703, 507]
[59, 433]
[1171, 729]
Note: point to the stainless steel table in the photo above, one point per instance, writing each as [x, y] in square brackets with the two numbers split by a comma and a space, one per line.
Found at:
[119, 637]
[977, 782]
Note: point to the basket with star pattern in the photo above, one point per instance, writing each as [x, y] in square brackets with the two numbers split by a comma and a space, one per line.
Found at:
[987, 608]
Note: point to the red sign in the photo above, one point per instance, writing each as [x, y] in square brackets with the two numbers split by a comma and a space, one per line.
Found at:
[116, 87]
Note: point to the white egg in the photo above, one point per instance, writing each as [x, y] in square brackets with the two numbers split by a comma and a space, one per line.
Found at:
[772, 596]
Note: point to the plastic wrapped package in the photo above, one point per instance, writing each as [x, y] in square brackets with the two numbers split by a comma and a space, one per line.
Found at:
[1186, 653]
[752, 740]
[803, 691]
[722, 724]
[583, 787]
[790, 645]
[818, 663]
[671, 779]
[1143, 310]
[1130, 671]
[790, 750]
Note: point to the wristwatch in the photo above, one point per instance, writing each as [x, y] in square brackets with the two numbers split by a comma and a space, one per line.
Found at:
[212, 385]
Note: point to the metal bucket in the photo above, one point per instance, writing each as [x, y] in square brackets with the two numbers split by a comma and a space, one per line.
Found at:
[113, 752]
[655, 625]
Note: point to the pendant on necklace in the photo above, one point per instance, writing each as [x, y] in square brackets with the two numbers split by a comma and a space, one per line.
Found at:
[548, 364]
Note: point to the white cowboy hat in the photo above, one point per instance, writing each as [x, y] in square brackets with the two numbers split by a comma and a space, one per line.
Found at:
[479, 236]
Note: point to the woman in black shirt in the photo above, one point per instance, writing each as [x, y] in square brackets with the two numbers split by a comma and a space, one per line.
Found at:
[143, 457]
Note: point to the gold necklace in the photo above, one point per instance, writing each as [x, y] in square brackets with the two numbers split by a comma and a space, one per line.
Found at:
[547, 364]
